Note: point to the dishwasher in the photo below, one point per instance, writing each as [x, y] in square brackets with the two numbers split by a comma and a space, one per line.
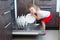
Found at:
[25, 24]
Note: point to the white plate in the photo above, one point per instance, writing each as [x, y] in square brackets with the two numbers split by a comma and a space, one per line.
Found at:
[30, 18]
[21, 20]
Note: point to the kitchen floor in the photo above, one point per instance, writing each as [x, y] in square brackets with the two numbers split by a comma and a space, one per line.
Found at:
[50, 35]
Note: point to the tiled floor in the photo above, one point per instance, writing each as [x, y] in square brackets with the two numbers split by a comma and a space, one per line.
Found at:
[50, 35]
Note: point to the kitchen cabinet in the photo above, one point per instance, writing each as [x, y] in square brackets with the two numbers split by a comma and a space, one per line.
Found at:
[5, 20]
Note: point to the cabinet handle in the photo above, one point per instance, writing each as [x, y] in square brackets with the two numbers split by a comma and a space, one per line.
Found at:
[7, 24]
[6, 12]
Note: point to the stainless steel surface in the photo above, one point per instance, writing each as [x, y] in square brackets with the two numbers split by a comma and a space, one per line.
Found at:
[28, 32]
[15, 5]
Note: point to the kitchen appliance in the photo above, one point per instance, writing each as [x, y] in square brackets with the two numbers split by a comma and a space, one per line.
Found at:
[25, 23]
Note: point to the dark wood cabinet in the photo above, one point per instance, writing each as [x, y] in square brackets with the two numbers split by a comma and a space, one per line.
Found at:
[5, 20]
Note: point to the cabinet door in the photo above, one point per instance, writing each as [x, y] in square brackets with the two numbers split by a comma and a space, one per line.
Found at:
[6, 32]
[4, 4]
[5, 20]
[5, 27]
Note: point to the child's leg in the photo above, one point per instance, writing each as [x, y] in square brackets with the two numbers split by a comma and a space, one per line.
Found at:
[44, 26]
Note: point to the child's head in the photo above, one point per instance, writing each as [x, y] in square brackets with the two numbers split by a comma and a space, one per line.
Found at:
[33, 8]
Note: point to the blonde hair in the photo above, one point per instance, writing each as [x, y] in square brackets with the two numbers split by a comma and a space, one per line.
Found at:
[36, 7]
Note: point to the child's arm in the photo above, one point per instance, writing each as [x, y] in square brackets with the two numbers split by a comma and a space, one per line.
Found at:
[36, 16]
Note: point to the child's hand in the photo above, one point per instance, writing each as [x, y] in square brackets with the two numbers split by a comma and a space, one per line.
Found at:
[36, 16]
